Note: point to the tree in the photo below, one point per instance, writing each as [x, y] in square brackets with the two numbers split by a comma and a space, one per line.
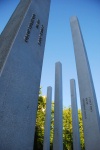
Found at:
[40, 119]
[67, 129]
[67, 126]
[81, 130]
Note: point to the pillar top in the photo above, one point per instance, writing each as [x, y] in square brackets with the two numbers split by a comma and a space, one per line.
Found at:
[73, 18]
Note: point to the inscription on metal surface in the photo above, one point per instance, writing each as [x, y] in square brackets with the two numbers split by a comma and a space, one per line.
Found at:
[87, 102]
[26, 38]
[37, 23]
[41, 35]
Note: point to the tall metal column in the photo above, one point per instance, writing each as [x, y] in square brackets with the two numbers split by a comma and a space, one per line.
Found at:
[21, 55]
[75, 122]
[46, 144]
[58, 135]
[90, 113]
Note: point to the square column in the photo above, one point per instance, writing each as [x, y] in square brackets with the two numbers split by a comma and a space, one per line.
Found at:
[46, 144]
[58, 124]
[90, 113]
[75, 122]
[22, 46]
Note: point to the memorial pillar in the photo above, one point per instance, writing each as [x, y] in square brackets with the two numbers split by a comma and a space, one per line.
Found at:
[90, 112]
[75, 122]
[22, 46]
[46, 144]
[58, 124]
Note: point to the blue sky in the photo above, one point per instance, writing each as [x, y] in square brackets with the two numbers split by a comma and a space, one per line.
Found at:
[59, 45]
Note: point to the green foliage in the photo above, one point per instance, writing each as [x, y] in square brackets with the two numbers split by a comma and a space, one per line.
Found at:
[67, 126]
[39, 129]
[52, 126]
[81, 129]
[67, 129]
